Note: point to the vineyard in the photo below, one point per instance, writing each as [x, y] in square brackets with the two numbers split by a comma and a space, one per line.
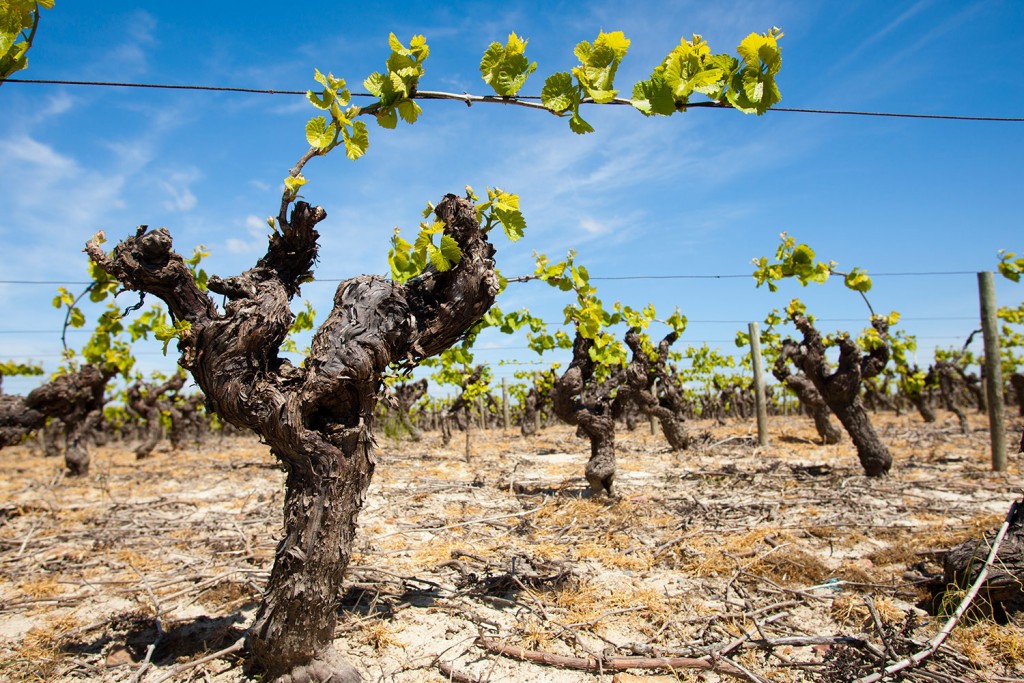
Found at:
[350, 487]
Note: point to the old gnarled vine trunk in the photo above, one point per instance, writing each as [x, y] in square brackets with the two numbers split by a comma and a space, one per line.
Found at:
[316, 419]
[810, 400]
[841, 388]
[75, 398]
[638, 387]
[589, 409]
[144, 400]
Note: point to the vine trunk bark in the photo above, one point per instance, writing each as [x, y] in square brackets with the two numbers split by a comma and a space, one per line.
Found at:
[75, 398]
[841, 388]
[808, 396]
[316, 419]
[590, 412]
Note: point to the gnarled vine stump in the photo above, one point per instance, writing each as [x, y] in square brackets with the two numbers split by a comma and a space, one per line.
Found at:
[810, 400]
[638, 387]
[74, 398]
[840, 388]
[317, 419]
[577, 402]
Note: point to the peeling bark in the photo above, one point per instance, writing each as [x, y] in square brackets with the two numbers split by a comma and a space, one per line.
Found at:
[840, 389]
[590, 414]
[316, 419]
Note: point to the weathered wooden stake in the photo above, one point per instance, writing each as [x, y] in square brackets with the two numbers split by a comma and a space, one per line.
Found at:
[759, 393]
[480, 407]
[993, 370]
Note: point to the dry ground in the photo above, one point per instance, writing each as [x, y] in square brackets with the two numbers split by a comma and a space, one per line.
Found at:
[768, 557]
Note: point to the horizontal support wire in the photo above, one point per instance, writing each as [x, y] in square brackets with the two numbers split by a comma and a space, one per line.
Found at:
[525, 100]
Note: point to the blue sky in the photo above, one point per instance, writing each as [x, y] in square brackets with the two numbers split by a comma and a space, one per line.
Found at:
[698, 194]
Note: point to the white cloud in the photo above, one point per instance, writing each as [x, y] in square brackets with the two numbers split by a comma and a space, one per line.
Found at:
[129, 57]
[593, 227]
[33, 156]
[176, 184]
[237, 246]
[255, 224]
[57, 104]
[257, 230]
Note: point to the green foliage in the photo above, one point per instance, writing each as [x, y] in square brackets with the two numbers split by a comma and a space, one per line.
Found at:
[748, 83]
[19, 20]
[677, 321]
[792, 260]
[394, 91]
[198, 274]
[705, 367]
[911, 380]
[857, 280]
[768, 335]
[590, 317]
[1010, 266]
[455, 368]
[593, 78]
[752, 86]
[501, 208]
[505, 67]
[302, 323]
[12, 369]
[157, 322]
[396, 87]
[871, 340]
[410, 259]
[342, 129]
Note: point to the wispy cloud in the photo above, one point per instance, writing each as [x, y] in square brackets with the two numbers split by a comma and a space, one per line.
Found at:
[129, 56]
[176, 184]
[256, 230]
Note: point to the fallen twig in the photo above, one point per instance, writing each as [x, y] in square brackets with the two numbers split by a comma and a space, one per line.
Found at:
[468, 522]
[174, 671]
[452, 674]
[717, 664]
[1016, 508]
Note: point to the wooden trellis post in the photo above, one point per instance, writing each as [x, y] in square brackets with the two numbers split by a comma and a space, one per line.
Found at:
[993, 370]
[759, 392]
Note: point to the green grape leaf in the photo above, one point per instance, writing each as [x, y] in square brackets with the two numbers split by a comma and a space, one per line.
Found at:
[858, 280]
[579, 126]
[387, 118]
[558, 93]
[653, 97]
[753, 88]
[409, 111]
[450, 249]
[375, 84]
[506, 68]
[357, 141]
[76, 318]
[293, 183]
[320, 133]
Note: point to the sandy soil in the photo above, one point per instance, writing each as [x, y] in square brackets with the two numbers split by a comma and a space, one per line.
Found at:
[768, 557]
